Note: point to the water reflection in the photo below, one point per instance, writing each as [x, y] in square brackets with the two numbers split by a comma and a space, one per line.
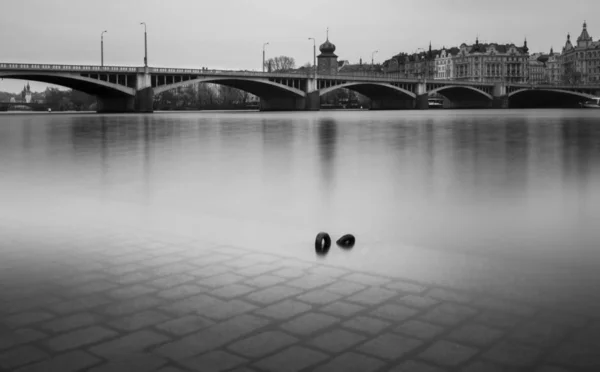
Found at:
[327, 143]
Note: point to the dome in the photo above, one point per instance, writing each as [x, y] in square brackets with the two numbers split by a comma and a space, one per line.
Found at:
[327, 47]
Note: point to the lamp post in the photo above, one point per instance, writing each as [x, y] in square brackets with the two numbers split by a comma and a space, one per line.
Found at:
[372, 57]
[264, 45]
[145, 45]
[102, 48]
[314, 55]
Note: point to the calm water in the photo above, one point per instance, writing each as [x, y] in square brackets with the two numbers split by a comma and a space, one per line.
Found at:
[493, 198]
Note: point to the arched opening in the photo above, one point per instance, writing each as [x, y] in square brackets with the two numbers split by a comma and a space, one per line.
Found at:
[459, 96]
[546, 98]
[375, 96]
[229, 93]
[84, 90]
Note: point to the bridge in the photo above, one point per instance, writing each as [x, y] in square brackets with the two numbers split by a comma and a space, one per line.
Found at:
[132, 89]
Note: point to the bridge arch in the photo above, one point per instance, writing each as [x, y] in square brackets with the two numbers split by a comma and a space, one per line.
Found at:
[563, 91]
[74, 81]
[457, 87]
[368, 89]
[263, 88]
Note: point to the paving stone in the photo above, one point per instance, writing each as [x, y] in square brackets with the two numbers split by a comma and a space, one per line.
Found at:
[395, 313]
[262, 258]
[139, 320]
[173, 369]
[351, 362]
[232, 291]
[538, 333]
[25, 304]
[171, 281]
[273, 294]
[366, 324]
[284, 310]
[504, 306]
[13, 358]
[161, 260]
[293, 359]
[214, 361]
[415, 366]
[343, 309]
[405, 287]
[184, 325]
[366, 279]
[182, 291]
[562, 319]
[132, 362]
[192, 304]
[289, 272]
[91, 287]
[262, 344]
[309, 323]
[372, 296]
[419, 329]
[28, 318]
[257, 269]
[211, 260]
[227, 309]
[131, 291]
[239, 263]
[311, 281]
[318, 297]
[265, 281]
[212, 337]
[497, 319]
[579, 350]
[548, 368]
[174, 269]
[448, 353]
[220, 280]
[448, 295]
[133, 305]
[344, 287]
[484, 366]
[123, 269]
[130, 344]
[327, 271]
[512, 354]
[448, 314]
[475, 334]
[12, 338]
[79, 304]
[72, 361]
[418, 302]
[336, 340]
[79, 338]
[132, 278]
[389, 346]
[71, 322]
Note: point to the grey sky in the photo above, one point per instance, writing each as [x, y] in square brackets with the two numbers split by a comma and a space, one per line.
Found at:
[229, 34]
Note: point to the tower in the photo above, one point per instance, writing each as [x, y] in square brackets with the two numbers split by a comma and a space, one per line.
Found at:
[327, 61]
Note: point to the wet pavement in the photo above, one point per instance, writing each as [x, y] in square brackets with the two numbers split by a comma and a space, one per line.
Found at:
[100, 299]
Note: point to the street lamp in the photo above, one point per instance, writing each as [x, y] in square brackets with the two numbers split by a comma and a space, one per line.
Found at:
[145, 45]
[314, 55]
[264, 45]
[372, 57]
[102, 48]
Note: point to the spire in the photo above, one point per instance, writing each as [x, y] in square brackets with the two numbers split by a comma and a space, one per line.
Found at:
[584, 25]
[327, 34]
[551, 51]
[568, 37]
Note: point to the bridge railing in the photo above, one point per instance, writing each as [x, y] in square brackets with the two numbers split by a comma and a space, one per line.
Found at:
[69, 68]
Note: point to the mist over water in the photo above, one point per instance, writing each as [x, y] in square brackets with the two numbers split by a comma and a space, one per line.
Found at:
[470, 196]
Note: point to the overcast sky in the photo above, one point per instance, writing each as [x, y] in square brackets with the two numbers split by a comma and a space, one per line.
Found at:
[229, 34]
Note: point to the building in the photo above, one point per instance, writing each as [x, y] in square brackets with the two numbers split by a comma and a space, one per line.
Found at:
[580, 63]
[553, 75]
[26, 94]
[327, 63]
[491, 63]
[420, 65]
[444, 68]
[537, 68]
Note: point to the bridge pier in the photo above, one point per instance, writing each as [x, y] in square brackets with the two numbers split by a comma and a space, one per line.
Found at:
[422, 102]
[500, 97]
[143, 101]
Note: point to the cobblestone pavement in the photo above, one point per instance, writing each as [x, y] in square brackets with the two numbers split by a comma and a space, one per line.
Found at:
[99, 301]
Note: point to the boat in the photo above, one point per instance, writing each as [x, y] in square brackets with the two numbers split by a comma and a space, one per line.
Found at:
[436, 103]
[592, 103]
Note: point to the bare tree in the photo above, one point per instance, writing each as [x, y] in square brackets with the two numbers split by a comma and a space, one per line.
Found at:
[280, 64]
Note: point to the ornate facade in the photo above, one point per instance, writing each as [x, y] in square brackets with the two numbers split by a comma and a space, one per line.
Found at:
[327, 61]
[537, 68]
[580, 63]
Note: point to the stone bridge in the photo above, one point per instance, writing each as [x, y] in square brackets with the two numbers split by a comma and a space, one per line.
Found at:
[132, 89]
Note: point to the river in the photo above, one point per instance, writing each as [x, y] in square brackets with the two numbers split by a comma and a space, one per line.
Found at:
[493, 199]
